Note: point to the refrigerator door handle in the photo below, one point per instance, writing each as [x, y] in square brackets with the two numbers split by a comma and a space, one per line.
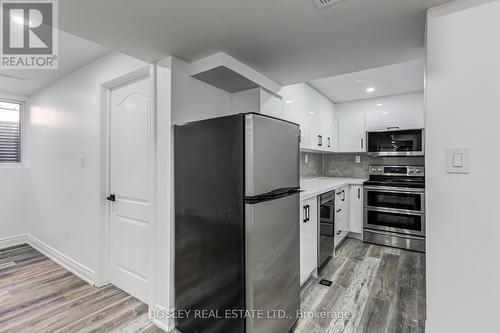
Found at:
[304, 208]
[274, 194]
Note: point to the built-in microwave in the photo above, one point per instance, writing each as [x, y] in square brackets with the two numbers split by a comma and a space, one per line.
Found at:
[408, 142]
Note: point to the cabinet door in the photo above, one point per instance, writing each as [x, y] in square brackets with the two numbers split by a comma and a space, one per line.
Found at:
[316, 115]
[308, 238]
[328, 124]
[352, 135]
[295, 109]
[356, 209]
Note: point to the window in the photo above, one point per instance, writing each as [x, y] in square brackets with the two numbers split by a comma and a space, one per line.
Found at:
[10, 132]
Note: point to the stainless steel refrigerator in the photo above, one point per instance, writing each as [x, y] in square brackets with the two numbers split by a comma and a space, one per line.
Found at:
[237, 224]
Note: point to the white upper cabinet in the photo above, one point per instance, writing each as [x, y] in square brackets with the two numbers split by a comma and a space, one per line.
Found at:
[352, 132]
[395, 112]
[404, 111]
[271, 104]
[314, 113]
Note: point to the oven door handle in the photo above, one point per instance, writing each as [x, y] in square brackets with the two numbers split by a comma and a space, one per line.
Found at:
[394, 189]
[399, 235]
[394, 210]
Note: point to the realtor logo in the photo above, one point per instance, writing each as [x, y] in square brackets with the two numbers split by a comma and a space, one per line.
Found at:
[29, 35]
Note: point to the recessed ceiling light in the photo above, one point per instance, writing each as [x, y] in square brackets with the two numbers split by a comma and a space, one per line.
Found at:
[289, 101]
[311, 112]
[380, 104]
[384, 113]
[370, 89]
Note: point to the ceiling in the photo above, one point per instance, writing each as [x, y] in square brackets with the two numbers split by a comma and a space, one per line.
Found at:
[288, 40]
[74, 53]
[387, 80]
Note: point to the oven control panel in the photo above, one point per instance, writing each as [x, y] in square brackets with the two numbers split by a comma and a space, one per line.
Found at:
[384, 170]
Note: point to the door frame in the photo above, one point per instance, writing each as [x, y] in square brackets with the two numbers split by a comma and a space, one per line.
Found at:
[104, 98]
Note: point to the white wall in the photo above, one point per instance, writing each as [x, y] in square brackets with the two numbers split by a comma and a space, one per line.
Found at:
[64, 124]
[463, 109]
[14, 201]
[193, 99]
[404, 110]
[13, 193]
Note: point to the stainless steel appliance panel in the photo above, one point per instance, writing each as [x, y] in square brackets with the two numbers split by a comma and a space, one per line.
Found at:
[271, 154]
[326, 231]
[209, 222]
[394, 240]
[272, 262]
[410, 200]
[388, 220]
[408, 142]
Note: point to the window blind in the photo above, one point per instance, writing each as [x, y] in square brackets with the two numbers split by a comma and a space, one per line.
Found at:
[10, 132]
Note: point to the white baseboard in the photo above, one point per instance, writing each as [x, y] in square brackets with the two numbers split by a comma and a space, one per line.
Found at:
[83, 272]
[166, 324]
[355, 235]
[13, 241]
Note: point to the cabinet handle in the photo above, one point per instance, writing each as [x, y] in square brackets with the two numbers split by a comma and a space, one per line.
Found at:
[339, 210]
[328, 142]
[305, 214]
[339, 232]
[392, 127]
[308, 213]
[320, 140]
[359, 193]
[343, 195]
[362, 143]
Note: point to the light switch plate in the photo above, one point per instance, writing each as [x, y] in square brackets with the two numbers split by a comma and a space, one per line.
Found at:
[358, 159]
[457, 160]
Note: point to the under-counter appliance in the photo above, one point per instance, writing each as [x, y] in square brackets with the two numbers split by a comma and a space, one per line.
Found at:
[394, 207]
[326, 227]
[395, 142]
[237, 224]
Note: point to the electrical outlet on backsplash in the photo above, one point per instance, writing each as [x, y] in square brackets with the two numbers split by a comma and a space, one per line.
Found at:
[347, 165]
[311, 164]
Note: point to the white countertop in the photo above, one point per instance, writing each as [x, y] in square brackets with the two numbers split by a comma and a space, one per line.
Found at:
[312, 187]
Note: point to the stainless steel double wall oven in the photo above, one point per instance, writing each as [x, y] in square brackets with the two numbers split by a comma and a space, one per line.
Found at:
[394, 207]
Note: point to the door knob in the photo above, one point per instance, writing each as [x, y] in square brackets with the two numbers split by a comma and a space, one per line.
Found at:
[111, 197]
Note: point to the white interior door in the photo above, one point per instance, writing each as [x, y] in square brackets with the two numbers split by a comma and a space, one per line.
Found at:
[131, 182]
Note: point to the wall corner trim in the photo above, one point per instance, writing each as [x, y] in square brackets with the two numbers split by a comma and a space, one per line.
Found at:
[81, 271]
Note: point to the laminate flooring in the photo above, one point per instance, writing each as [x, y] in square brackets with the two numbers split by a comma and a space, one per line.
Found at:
[375, 289]
[37, 295]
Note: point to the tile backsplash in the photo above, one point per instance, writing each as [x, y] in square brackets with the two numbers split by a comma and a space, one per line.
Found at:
[314, 165]
[344, 164]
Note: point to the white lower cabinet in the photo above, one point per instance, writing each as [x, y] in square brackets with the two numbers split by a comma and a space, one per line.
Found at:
[341, 214]
[356, 209]
[308, 238]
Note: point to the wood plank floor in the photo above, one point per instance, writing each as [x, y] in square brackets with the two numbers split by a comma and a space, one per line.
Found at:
[382, 288]
[37, 295]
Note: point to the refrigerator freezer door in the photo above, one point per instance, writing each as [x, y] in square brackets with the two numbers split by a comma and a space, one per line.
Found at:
[272, 263]
[271, 154]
